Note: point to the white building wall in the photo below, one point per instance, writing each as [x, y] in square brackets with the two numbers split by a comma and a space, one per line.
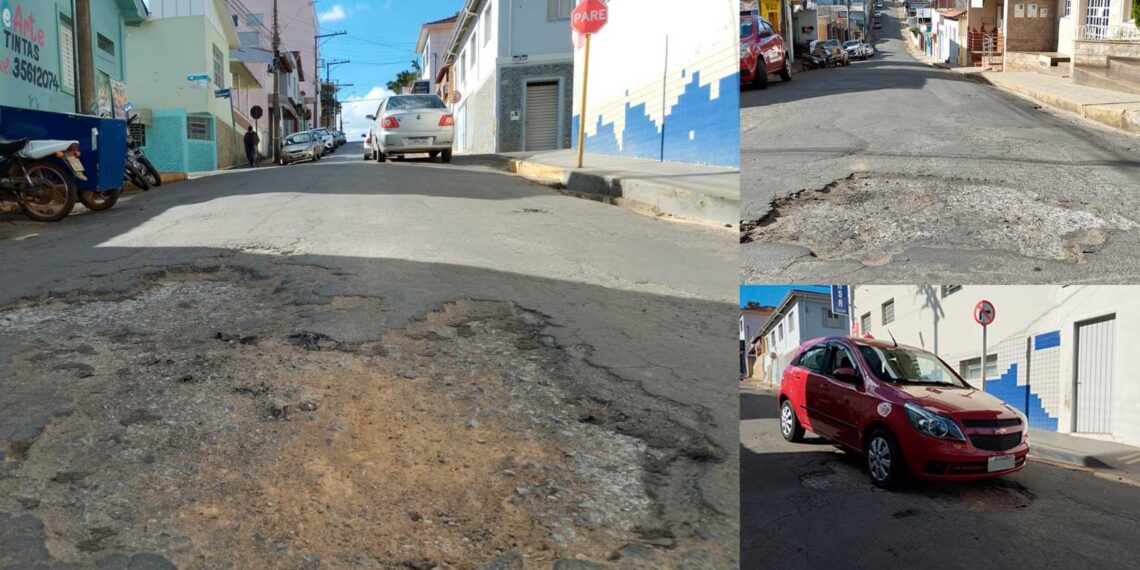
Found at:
[808, 324]
[1026, 318]
[679, 103]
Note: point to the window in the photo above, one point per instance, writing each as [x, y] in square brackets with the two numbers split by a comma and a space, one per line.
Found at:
[791, 322]
[487, 24]
[780, 331]
[219, 68]
[889, 312]
[1068, 7]
[865, 323]
[558, 9]
[198, 129]
[814, 358]
[840, 358]
[772, 340]
[833, 320]
[947, 290]
[105, 44]
[463, 68]
[67, 53]
[137, 131]
[969, 368]
[255, 20]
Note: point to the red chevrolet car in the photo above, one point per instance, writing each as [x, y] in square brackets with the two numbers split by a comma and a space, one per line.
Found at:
[762, 51]
[903, 409]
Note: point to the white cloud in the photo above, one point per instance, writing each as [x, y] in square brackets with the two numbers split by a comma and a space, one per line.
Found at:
[355, 108]
[335, 13]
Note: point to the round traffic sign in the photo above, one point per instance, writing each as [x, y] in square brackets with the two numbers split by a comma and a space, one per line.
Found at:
[255, 112]
[589, 16]
[984, 313]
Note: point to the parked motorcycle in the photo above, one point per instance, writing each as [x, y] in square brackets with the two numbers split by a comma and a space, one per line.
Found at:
[818, 59]
[31, 172]
[139, 169]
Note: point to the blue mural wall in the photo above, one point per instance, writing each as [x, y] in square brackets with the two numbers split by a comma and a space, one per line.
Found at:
[1030, 395]
[697, 129]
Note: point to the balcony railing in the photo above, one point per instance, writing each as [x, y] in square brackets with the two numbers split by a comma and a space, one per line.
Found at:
[1105, 33]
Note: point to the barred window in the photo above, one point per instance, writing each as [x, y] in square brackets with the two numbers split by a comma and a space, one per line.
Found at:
[138, 133]
[833, 320]
[219, 68]
[198, 129]
[889, 312]
[865, 323]
[558, 9]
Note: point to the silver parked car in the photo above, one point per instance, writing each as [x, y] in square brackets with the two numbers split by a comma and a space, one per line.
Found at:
[301, 146]
[409, 124]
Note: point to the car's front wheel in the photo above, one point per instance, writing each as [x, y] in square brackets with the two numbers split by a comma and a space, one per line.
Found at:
[885, 462]
[786, 70]
[790, 426]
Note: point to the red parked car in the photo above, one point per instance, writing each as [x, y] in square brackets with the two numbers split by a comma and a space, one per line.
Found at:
[903, 409]
[762, 51]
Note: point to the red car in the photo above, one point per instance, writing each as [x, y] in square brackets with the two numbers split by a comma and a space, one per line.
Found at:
[903, 409]
[762, 51]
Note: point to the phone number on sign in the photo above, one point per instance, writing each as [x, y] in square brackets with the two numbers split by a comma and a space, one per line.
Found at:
[34, 74]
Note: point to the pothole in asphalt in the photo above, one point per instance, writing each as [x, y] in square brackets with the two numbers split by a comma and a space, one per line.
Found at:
[871, 218]
[251, 441]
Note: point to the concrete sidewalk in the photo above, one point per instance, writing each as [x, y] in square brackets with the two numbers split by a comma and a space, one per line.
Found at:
[703, 193]
[1106, 458]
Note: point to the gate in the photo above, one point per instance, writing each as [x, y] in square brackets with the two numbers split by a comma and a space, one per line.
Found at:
[1096, 20]
[1093, 375]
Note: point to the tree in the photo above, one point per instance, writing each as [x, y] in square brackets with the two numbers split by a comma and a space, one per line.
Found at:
[404, 78]
[752, 305]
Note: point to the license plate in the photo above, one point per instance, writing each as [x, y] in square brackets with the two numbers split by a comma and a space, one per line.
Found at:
[1001, 463]
[418, 140]
[75, 164]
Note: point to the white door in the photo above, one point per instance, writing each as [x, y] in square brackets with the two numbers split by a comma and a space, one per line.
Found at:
[1093, 409]
[1096, 19]
[541, 116]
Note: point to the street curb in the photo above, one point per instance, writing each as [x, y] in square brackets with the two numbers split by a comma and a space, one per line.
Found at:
[1107, 474]
[166, 177]
[641, 196]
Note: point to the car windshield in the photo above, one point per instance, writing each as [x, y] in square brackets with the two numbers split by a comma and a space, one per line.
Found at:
[746, 28]
[298, 139]
[905, 366]
[852, 43]
[405, 102]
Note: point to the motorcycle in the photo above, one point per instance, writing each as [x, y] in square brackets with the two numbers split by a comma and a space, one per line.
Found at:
[818, 60]
[30, 171]
[139, 170]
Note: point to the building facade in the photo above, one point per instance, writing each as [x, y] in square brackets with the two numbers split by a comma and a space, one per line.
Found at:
[185, 126]
[751, 341]
[1058, 354]
[800, 317]
[432, 47]
[664, 82]
[510, 75]
[38, 65]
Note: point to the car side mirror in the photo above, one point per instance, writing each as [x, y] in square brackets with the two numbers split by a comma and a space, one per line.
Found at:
[370, 117]
[847, 375]
[766, 33]
[363, 136]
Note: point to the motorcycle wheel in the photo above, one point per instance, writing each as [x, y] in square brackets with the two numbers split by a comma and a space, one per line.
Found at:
[57, 192]
[99, 200]
[136, 178]
[150, 172]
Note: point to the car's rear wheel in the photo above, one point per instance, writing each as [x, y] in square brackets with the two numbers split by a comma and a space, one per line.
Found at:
[446, 155]
[786, 70]
[790, 426]
[760, 76]
[379, 155]
[885, 462]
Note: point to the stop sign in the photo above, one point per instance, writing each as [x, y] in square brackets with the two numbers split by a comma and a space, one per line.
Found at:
[589, 16]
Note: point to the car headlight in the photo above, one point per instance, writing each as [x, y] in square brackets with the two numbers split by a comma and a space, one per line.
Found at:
[744, 50]
[933, 424]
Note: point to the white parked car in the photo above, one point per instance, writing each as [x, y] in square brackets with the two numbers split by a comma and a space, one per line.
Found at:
[410, 124]
[300, 146]
[326, 137]
[857, 49]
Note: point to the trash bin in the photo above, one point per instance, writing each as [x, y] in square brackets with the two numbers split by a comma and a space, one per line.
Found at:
[102, 142]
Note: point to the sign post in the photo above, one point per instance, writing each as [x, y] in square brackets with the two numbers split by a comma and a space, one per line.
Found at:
[255, 112]
[840, 300]
[586, 19]
[984, 314]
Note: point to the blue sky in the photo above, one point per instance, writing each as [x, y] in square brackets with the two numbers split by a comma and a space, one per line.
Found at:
[380, 42]
[773, 294]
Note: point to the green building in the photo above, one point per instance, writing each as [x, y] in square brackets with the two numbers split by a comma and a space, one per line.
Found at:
[38, 56]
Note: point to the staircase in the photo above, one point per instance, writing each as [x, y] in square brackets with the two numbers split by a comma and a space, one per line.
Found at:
[985, 48]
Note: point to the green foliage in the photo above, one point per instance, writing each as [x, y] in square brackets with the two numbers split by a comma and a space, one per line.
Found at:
[405, 77]
[914, 30]
[1136, 12]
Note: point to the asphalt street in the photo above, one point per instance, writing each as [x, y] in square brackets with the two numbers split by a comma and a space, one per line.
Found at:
[353, 250]
[809, 505]
[889, 170]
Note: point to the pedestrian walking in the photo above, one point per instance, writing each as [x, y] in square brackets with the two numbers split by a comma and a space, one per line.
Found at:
[251, 142]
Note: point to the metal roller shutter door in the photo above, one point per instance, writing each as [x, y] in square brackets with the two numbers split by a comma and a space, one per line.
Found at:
[1095, 352]
[541, 116]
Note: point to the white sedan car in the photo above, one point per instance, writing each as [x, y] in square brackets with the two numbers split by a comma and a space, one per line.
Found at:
[411, 124]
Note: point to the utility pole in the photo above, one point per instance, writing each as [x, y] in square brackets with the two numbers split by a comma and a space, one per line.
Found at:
[86, 99]
[275, 107]
[336, 104]
[328, 72]
[317, 74]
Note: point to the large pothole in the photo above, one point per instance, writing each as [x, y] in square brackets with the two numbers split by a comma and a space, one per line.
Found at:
[872, 218]
[201, 418]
